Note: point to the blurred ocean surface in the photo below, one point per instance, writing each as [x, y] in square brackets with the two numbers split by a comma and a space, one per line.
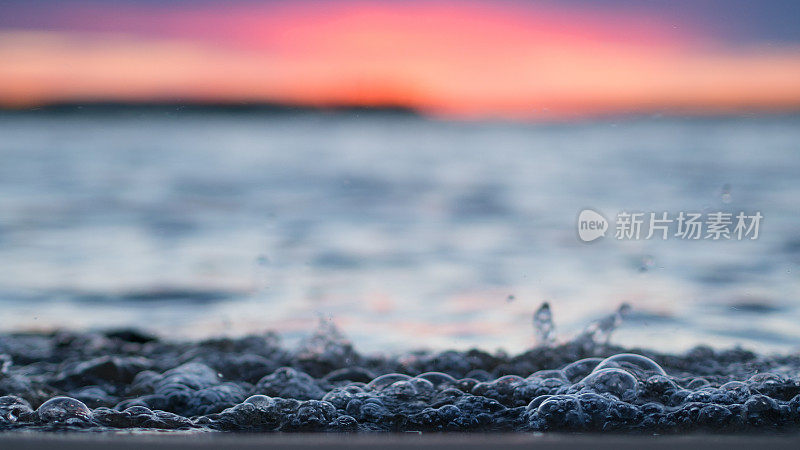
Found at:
[408, 233]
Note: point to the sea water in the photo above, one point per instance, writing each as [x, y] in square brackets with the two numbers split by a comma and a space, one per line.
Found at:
[406, 232]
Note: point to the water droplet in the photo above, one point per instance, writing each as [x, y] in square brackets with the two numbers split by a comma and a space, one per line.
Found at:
[612, 381]
[646, 263]
[725, 195]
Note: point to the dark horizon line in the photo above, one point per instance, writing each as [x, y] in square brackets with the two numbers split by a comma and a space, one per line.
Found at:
[173, 106]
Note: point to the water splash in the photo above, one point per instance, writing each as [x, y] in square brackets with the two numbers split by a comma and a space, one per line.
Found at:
[326, 344]
[543, 325]
[600, 331]
[596, 333]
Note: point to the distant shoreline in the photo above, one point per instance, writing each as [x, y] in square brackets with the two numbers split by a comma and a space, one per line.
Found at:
[172, 108]
[169, 107]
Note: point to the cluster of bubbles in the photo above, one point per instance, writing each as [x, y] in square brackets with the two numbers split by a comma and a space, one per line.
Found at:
[124, 380]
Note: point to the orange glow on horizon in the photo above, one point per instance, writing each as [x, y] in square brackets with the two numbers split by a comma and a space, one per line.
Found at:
[441, 59]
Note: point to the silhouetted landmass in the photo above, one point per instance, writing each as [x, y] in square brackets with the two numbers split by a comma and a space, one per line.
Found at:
[172, 107]
[177, 108]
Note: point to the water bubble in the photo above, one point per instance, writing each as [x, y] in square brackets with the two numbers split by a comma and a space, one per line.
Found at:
[536, 402]
[594, 405]
[338, 397]
[402, 389]
[561, 410]
[543, 325]
[260, 401]
[59, 409]
[638, 365]
[612, 381]
[386, 380]
[12, 408]
[714, 416]
[507, 381]
[761, 409]
[579, 369]
[660, 384]
[697, 383]
[438, 379]
[422, 385]
[766, 382]
[736, 386]
[548, 374]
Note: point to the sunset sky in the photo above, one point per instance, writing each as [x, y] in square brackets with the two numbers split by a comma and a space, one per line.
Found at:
[510, 59]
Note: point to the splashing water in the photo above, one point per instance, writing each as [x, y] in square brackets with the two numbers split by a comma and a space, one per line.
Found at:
[5, 363]
[543, 325]
[599, 331]
[596, 333]
[327, 344]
